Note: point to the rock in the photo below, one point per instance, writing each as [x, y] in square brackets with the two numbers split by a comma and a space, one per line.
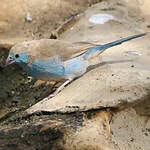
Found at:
[130, 130]
[97, 89]
[77, 131]
[94, 134]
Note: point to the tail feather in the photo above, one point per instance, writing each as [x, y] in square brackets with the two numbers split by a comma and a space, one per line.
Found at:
[111, 44]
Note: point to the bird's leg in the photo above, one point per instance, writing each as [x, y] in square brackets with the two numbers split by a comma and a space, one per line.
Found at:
[60, 88]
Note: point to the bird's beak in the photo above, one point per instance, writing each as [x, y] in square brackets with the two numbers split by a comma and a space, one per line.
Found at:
[9, 61]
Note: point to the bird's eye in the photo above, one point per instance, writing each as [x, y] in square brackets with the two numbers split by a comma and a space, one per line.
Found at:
[17, 55]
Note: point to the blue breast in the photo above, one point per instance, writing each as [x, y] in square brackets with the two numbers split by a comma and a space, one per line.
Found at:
[41, 69]
[71, 68]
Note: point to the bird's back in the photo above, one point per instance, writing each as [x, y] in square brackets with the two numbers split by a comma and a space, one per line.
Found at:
[48, 48]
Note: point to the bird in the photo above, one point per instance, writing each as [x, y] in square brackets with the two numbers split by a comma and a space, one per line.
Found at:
[58, 60]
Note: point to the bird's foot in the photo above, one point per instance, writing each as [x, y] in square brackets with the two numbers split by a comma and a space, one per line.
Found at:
[59, 89]
[50, 96]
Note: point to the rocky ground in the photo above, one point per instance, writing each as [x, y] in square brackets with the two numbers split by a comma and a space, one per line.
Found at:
[106, 109]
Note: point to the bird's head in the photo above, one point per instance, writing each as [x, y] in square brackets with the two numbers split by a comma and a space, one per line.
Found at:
[26, 53]
[18, 54]
[17, 57]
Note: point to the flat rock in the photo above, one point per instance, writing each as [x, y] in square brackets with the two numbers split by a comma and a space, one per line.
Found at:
[99, 88]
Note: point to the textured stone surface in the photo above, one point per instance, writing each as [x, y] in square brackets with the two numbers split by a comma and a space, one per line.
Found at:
[79, 131]
[130, 130]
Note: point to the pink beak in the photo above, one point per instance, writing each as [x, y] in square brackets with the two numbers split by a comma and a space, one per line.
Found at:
[9, 61]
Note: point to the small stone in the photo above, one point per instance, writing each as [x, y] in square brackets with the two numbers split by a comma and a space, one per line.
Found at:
[28, 17]
[148, 26]
[12, 92]
[146, 134]
[132, 139]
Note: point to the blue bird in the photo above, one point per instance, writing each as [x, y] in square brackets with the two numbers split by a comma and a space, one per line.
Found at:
[49, 59]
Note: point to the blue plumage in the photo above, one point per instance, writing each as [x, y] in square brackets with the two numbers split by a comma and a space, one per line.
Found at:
[56, 60]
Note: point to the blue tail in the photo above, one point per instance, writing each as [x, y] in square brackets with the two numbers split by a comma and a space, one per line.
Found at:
[108, 45]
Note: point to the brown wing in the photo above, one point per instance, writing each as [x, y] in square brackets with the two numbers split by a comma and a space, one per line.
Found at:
[48, 48]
